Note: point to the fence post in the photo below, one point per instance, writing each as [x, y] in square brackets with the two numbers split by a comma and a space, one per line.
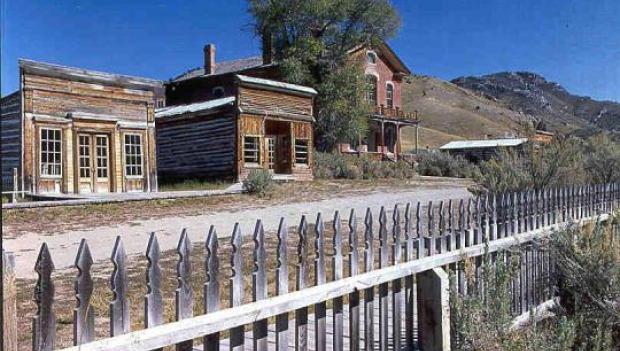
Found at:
[9, 303]
[434, 310]
[15, 187]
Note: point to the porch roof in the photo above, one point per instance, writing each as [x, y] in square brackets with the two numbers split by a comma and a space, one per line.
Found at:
[472, 144]
[195, 107]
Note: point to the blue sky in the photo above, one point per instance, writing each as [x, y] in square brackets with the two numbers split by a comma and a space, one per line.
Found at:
[573, 42]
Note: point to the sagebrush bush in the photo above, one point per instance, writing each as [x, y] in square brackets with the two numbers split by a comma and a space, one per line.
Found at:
[441, 164]
[335, 165]
[259, 182]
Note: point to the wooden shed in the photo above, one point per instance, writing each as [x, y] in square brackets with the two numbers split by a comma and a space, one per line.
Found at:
[483, 150]
[258, 123]
[71, 130]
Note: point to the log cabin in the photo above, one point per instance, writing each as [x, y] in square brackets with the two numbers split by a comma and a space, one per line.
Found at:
[71, 130]
[222, 126]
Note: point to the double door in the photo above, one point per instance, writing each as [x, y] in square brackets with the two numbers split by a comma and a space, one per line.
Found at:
[93, 163]
[278, 153]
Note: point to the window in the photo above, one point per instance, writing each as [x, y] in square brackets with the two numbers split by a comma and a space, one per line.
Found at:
[301, 151]
[389, 95]
[160, 103]
[84, 155]
[251, 149]
[371, 94]
[102, 156]
[51, 152]
[218, 92]
[371, 57]
[133, 155]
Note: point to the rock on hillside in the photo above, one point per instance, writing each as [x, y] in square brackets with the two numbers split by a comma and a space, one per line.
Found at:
[448, 112]
[533, 96]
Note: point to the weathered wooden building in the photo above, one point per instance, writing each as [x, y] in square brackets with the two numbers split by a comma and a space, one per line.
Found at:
[483, 150]
[225, 125]
[70, 130]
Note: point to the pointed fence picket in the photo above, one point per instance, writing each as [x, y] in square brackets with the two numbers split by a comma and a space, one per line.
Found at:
[404, 242]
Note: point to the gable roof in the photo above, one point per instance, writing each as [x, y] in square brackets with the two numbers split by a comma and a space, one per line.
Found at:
[473, 144]
[224, 67]
[386, 52]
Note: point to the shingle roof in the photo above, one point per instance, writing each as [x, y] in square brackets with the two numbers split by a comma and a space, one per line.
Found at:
[470, 144]
[223, 67]
[277, 85]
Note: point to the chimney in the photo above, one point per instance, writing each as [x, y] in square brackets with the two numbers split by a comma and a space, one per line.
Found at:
[267, 47]
[209, 53]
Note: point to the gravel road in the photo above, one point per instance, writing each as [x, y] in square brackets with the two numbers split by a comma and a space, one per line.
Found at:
[63, 246]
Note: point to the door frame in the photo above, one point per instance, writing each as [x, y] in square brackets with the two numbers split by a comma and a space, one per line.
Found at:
[93, 135]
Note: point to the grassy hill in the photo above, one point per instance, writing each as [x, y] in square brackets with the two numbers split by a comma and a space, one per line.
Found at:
[449, 112]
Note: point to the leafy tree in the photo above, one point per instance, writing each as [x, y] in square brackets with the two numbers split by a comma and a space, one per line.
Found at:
[311, 41]
[602, 159]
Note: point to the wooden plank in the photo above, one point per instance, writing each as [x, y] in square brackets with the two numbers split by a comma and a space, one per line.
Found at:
[119, 306]
[337, 270]
[397, 292]
[9, 302]
[383, 288]
[153, 300]
[409, 282]
[282, 285]
[83, 313]
[354, 297]
[211, 288]
[259, 285]
[301, 268]
[369, 295]
[320, 340]
[184, 295]
[44, 321]
[236, 287]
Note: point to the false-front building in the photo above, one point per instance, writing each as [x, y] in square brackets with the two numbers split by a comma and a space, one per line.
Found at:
[70, 130]
[222, 126]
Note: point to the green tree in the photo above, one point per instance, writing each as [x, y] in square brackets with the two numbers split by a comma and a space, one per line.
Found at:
[312, 41]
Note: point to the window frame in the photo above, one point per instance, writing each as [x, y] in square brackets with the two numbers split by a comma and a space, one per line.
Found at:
[374, 91]
[86, 156]
[54, 152]
[141, 155]
[258, 150]
[105, 157]
[389, 101]
[371, 54]
[307, 152]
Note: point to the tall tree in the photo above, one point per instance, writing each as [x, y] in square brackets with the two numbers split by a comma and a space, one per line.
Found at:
[311, 40]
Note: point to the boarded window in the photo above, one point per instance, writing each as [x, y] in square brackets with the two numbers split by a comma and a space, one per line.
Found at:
[301, 151]
[251, 149]
[133, 155]
[51, 152]
[389, 95]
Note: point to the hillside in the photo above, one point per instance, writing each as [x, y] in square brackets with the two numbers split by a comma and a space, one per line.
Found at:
[449, 112]
[543, 101]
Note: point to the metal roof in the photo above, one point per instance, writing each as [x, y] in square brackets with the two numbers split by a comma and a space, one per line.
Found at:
[276, 84]
[196, 107]
[472, 144]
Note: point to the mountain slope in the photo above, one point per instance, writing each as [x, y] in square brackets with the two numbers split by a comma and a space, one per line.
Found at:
[448, 112]
[542, 101]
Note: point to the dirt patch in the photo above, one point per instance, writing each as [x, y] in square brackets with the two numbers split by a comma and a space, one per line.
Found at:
[63, 219]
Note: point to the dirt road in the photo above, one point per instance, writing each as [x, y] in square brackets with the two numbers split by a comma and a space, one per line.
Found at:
[63, 245]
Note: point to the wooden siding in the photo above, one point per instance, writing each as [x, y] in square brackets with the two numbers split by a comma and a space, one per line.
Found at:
[199, 147]
[11, 130]
[256, 101]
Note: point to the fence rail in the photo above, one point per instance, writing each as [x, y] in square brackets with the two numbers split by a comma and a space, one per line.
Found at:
[377, 282]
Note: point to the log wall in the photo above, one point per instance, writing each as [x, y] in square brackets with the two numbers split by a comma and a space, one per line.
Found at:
[10, 133]
[200, 147]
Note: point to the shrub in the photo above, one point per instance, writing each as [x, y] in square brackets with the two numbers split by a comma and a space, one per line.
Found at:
[258, 182]
[444, 165]
[335, 165]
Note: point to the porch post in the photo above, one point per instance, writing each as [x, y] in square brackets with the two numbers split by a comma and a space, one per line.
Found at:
[382, 135]
[416, 137]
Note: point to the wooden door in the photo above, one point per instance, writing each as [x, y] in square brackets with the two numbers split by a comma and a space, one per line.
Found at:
[93, 163]
[101, 175]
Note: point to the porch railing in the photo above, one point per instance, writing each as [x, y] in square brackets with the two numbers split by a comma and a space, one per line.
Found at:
[394, 113]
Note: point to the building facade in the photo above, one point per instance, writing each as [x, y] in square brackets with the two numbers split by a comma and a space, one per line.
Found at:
[222, 126]
[70, 130]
